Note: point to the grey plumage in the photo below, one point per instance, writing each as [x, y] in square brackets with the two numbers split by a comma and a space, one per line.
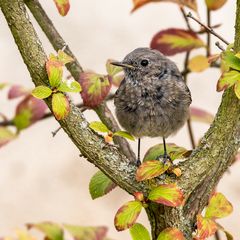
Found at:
[153, 99]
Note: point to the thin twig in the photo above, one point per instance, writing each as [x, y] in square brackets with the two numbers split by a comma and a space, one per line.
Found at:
[208, 33]
[185, 17]
[219, 46]
[209, 29]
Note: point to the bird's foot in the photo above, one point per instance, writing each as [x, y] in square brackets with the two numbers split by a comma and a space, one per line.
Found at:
[136, 163]
[165, 158]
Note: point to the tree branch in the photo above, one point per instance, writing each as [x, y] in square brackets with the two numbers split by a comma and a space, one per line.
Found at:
[75, 69]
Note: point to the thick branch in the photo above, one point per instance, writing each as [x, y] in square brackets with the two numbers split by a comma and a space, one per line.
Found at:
[75, 69]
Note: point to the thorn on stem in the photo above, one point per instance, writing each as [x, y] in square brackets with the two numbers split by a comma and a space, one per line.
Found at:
[54, 133]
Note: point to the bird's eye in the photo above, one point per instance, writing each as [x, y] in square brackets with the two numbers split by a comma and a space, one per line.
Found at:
[144, 62]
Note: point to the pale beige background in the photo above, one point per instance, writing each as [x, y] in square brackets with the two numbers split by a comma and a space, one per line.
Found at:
[42, 178]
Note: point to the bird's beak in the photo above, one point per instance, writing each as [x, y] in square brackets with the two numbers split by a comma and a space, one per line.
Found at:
[120, 64]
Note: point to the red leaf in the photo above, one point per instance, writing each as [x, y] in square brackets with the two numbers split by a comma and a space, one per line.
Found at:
[63, 6]
[174, 40]
[95, 87]
[17, 91]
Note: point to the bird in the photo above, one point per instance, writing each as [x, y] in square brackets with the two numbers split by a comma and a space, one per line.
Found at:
[153, 99]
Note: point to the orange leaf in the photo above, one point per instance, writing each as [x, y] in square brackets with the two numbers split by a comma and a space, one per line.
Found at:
[192, 4]
[198, 63]
[63, 6]
[215, 4]
[170, 234]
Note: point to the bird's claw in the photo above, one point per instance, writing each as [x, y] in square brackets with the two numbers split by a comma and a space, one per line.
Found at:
[165, 158]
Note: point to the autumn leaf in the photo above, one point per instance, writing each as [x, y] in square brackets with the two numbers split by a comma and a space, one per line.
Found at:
[60, 106]
[139, 232]
[17, 91]
[95, 87]
[192, 4]
[86, 233]
[228, 79]
[205, 227]
[63, 6]
[100, 185]
[167, 194]
[150, 169]
[139, 196]
[215, 4]
[41, 92]
[127, 215]
[218, 207]
[198, 63]
[55, 72]
[171, 234]
[174, 40]
[6, 135]
[201, 115]
[52, 231]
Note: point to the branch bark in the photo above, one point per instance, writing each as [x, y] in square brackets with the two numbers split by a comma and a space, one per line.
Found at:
[200, 172]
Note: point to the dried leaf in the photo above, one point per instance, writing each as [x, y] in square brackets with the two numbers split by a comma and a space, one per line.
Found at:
[100, 185]
[41, 92]
[176, 171]
[124, 134]
[17, 91]
[6, 135]
[127, 215]
[150, 169]
[218, 207]
[167, 194]
[171, 234]
[201, 115]
[174, 40]
[192, 4]
[63, 6]
[98, 127]
[215, 4]
[198, 63]
[95, 87]
[227, 80]
[60, 106]
[139, 232]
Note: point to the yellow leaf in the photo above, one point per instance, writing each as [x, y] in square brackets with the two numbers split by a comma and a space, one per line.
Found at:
[198, 63]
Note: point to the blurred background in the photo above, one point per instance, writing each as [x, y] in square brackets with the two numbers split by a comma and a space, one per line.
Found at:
[43, 178]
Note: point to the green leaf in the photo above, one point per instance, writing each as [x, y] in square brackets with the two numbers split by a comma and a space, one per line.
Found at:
[23, 119]
[231, 60]
[52, 231]
[63, 6]
[171, 234]
[3, 85]
[100, 185]
[237, 89]
[55, 72]
[174, 40]
[69, 86]
[86, 233]
[227, 80]
[112, 70]
[64, 58]
[41, 92]
[139, 232]
[6, 135]
[218, 207]
[215, 4]
[127, 215]
[124, 134]
[205, 227]
[151, 169]
[167, 194]
[98, 126]
[174, 151]
[60, 106]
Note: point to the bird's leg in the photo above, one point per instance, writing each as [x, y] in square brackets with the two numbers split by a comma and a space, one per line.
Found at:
[165, 156]
[138, 163]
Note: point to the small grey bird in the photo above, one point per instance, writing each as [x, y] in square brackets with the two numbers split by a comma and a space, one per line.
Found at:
[153, 99]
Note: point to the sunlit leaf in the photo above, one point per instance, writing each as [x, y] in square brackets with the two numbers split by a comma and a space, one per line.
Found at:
[63, 6]
[86, 233]
[192, 4]
[41, 92]
[98, 126]
[171, 234]
[17, 91]
[231, 60]
[60, 106]
[198, 63]
[174, 40]
[124, 134]
[55, 72]
[95, 87]
[139, 232]
[69, 86]
[201, 115]
[100, 185]
[64, 58]
[167, 194]
[150, 169]
[228, 79]
[127, 215]
[52, 231]
[6, 135]
[205, 227]
[174, 151]
[215, 4]
[218, 207]
[237, 89]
